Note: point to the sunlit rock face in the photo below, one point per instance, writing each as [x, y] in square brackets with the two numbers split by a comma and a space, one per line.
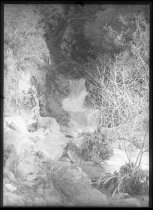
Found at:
[81, 118]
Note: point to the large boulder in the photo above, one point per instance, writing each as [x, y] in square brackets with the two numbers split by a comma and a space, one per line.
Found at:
[75, 185]
[53, 145]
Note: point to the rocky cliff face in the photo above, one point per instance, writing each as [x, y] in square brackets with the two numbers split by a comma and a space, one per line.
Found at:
[57, 88]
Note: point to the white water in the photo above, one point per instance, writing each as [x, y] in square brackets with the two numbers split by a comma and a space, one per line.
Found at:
[75, 101]
[82, 119]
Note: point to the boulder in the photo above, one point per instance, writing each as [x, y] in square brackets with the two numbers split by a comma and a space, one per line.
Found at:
[53, 145]
[49, 122]
[93, 171]
[28, 168]
[11, 199]
[15, 122]
[10, 187]
[129, 202]
[75, 185]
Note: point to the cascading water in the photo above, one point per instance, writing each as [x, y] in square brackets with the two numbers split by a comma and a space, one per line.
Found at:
[75, 101]
[82, 119]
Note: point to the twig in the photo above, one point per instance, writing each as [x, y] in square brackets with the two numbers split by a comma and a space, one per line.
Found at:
[118, 185]
[141, 150]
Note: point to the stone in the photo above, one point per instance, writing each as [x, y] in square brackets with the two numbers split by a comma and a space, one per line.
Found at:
[53, 146]
[91, 198]
[48, 122]
[11, 199]
[76, 186]
[93, 171]
[52, 200]
[10, 187]
[17, 122]
[39, 202]
[129, 202]
[11, 137]
[28, 167]
[10, 175]
[11, 162]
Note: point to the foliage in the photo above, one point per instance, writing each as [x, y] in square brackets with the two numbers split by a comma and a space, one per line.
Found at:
[121, 86]
[96, 147]
[120, 91]
[128, 180]
[24, 33]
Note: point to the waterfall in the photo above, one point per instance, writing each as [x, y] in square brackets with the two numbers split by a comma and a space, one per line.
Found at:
[77, 86]
[82, 119]
[76, 98]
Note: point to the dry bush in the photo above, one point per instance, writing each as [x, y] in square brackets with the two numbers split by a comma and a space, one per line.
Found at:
[120, 90]
[126, 181]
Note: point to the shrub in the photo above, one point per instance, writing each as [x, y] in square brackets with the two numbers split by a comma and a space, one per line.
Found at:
[120, 87]
[128, 180]
[95, 148]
